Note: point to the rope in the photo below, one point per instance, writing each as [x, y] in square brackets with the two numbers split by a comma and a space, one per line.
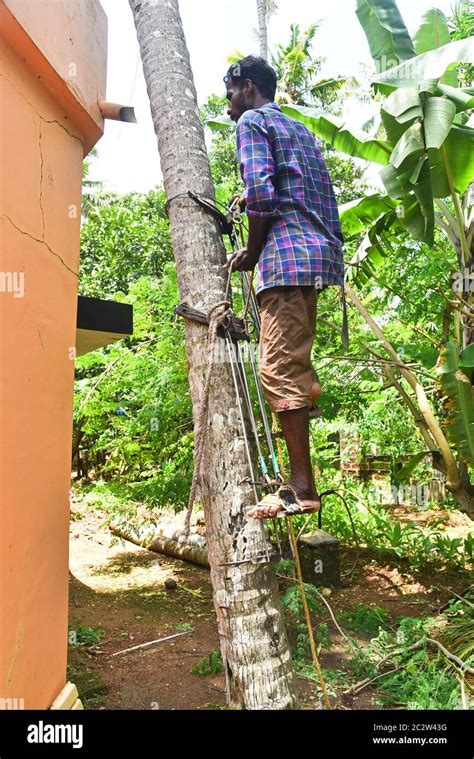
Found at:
[216, 316]
[312, 644]
[294, 547]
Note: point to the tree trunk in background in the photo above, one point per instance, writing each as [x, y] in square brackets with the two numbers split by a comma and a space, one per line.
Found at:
[262, 27]
[253, 640]
[468, 295]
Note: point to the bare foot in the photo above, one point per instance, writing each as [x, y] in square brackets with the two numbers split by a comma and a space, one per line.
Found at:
[308, 499]
[263, 512]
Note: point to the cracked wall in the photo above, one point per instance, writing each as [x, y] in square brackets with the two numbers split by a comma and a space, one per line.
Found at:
[40, 198]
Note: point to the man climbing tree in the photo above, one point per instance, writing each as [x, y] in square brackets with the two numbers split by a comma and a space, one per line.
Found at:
[295, 238]
[254, 646]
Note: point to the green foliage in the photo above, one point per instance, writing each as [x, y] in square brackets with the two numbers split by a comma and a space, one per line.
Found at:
[209, 665]
[82, 635]
[298, 71]
[387, 537]
[367, 619]
[293, 603]
[334, 130]
[416, 679]
[433, 31]
[123, 238]
[149, 444]
[457, 635]
[222, 152]
[386, 32]
[429, 67]
[184, 627]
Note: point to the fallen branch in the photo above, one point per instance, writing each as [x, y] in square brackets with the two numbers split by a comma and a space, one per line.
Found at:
[353, 648]
[153, 540]
[357, 687]
[151, 642]
[354, 690]
[460, 596]
[452, 657]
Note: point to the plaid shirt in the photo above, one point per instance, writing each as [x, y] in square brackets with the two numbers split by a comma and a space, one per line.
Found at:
[286, 178]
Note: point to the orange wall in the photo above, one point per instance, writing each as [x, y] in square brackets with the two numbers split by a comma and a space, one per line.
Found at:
[41, 151]
[72, 36]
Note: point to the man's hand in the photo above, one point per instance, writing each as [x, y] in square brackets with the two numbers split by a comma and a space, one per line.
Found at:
[241, 260]
[241, 201]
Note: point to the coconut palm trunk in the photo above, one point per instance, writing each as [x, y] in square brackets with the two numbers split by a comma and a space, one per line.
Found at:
[253, 641]
[262, 12]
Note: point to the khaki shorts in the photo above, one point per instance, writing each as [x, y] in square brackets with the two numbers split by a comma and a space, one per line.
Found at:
[288, 328]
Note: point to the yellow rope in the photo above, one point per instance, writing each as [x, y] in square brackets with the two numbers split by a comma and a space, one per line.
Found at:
[294, 545]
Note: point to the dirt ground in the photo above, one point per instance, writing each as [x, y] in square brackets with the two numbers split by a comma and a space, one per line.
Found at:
[119, 588]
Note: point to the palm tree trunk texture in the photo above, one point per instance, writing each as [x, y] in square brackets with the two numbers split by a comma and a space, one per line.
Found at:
[262, 27]
[253, 640]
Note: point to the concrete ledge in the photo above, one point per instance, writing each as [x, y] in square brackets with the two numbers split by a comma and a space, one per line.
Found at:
[68, 699]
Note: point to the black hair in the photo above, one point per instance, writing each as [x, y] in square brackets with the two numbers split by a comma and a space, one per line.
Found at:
[257, 70]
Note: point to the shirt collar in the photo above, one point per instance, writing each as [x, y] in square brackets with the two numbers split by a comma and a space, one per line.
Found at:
[265, 105]
[270, 105]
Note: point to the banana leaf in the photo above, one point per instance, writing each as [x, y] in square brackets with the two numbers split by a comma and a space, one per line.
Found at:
[407, 470]
[418, 215]
[358, 214]
[438, 120]
[463, 99]
[430, 66]
[386, 33]
[402, 100]
[467, 358]
[218, 123]
[335, 131]
[411, 142]
[377, 244]
[433, 31]
[459, 147]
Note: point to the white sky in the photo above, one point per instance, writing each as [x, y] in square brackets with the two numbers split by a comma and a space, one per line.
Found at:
[128, 155]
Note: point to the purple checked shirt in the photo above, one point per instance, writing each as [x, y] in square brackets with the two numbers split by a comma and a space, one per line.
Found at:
[286, 178]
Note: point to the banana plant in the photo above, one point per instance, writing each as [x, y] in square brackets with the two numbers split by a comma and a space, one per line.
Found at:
[455, 375]
[426, 145]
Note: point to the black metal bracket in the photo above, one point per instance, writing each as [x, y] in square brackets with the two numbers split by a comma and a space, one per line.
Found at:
[236, 328]
[224, 220]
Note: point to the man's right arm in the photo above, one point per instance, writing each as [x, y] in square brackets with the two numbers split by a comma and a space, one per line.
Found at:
[258, 170]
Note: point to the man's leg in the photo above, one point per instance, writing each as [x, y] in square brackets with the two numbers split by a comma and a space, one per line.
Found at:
[288, 326]
[295, 428]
